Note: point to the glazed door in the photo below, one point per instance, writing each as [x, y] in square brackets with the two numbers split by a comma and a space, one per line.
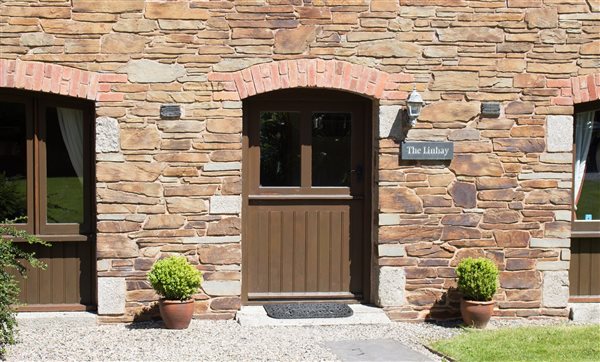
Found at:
[304, 233]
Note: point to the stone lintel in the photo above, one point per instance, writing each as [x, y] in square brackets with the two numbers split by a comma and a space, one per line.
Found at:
[391, 250]
[225, 205]
[552, 265]
[389, 219]
[549, 243]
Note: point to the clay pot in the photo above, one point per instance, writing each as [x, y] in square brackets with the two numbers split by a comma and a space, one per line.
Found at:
[476, 314]
[176, 314]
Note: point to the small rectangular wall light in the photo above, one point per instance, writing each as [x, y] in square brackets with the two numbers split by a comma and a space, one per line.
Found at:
[170, 111]
[490, 110]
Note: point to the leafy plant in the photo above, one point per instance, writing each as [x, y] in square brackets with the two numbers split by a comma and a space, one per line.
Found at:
[174, 278]
[12, 259]
[477, 279]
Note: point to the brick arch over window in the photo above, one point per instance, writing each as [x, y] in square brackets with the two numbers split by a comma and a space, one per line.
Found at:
[580, 89]
[60, 79]
[309, 73]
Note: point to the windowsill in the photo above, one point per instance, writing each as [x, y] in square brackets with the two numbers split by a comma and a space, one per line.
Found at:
[59, 238]
[585, 229]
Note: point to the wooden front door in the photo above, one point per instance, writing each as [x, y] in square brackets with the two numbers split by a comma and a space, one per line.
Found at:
[306, 199]
[47, 183]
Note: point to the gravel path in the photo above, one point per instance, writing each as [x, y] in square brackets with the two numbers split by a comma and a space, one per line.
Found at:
[82, 339]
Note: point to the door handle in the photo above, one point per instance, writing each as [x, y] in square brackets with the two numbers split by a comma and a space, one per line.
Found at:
[358, 172]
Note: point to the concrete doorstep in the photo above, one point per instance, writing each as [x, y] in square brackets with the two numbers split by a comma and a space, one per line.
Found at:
[256, 316]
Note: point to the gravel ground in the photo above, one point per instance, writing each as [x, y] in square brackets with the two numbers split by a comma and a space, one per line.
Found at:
[82, 339]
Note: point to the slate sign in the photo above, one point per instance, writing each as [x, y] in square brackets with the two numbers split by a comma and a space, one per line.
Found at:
[170, 111]
[427, 150]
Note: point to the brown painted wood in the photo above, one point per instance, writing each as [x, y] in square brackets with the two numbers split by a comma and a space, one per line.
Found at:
[67, 278]
[68, 283]
[306, 242]
[584, 272]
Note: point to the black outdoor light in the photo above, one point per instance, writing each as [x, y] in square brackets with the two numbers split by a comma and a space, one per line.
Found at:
[414, 104]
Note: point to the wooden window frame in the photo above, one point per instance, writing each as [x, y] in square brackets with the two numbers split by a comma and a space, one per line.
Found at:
[36, 105]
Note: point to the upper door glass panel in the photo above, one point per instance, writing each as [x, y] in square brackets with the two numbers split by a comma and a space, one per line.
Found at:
[280, 149]
[331, 149]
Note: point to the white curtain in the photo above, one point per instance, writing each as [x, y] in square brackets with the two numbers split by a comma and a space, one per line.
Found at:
[71, 127]
[583, 135]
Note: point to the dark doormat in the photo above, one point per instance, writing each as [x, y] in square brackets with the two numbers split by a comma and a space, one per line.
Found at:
[307, 310]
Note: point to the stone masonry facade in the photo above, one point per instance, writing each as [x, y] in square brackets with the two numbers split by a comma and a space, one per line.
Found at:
[167, 186]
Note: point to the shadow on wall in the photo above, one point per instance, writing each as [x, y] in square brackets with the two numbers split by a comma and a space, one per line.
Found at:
[147, 313]
[447, 306]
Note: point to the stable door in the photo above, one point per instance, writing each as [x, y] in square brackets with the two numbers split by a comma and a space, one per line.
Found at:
[305, 206]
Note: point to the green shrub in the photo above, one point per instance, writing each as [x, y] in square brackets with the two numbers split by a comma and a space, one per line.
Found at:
[174, 278]
[12, 259]
[477, 279]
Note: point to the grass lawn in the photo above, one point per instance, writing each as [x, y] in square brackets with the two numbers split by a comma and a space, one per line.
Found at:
[556, 343]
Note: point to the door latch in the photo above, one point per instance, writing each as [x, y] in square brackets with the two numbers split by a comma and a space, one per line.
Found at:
[358, 172]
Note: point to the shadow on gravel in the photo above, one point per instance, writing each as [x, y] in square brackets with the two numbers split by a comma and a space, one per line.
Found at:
[147, 318]
[146, 325]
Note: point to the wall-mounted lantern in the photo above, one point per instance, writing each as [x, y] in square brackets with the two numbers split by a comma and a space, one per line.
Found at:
[414, 103]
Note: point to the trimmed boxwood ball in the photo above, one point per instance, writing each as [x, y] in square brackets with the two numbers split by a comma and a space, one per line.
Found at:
[477, 279]
[174, 278]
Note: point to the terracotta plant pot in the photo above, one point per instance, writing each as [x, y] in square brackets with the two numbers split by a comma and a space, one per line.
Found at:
[176, 314]
[476, 314]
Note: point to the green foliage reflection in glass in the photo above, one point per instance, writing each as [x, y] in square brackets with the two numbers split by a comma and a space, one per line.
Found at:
[13, 200]
[174, 278]
[477, 279]
[13, 261]
[280, 149]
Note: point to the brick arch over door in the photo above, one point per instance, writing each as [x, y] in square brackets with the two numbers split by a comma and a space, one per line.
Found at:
[580, 89]
[310, 73]
[60, 79]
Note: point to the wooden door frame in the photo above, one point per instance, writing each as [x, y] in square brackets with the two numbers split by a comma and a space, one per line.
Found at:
[307, 95]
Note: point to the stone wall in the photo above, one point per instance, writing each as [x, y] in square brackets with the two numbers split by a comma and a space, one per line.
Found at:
[174, 186]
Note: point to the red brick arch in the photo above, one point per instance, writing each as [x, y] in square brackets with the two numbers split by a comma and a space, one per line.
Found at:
[580, 89]
[60, 79]
[308, 73]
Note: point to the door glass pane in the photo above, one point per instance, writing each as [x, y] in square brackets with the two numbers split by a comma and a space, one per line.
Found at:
[13, 162]
[64, 165]
[280, 149]
[331, 159]
[588, 206]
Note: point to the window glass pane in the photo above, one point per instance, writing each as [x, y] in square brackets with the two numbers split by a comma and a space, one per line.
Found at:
[331, 149]
[13, 162]
[279, 149]
[588, 206]
[64, 165]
